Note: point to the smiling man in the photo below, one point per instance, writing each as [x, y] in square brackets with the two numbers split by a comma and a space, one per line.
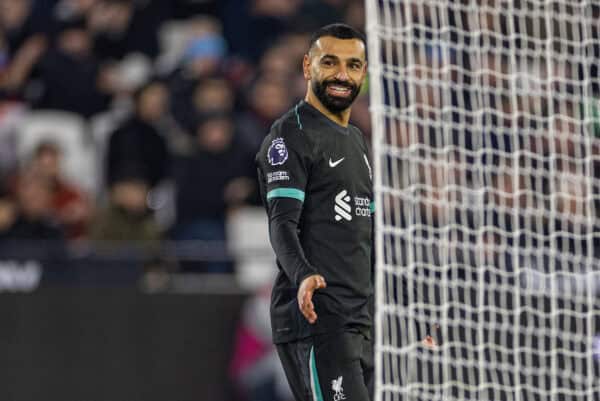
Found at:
[315, 179]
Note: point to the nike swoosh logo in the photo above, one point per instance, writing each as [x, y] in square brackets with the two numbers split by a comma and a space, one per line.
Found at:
[335, 163]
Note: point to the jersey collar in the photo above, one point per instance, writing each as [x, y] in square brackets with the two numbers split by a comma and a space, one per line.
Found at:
[321, 118]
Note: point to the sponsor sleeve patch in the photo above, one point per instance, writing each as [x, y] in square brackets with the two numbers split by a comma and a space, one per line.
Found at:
[277, 176]
[277, 153]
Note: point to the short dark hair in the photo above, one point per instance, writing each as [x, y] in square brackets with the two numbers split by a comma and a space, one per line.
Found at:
[340, 31]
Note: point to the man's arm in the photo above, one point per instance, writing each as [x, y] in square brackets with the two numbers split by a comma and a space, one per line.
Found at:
[284, 216]
[283, 169]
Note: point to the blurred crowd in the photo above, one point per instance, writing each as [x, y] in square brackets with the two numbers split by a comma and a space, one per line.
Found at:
[135, 122]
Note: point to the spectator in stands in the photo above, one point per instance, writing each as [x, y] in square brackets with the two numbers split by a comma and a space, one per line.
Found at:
[250, 27]
[209, 95]
[139, 142]
[35, 219]
[571, 195]
[87, 90]
[202, 58]
[27, 228]
[21, 19]
[505, 192]
[121, 27]
[126, 223]
[125, 230]
[434, 178]
[16, 69]
[13, 18]
[209, 182]
[278, 61]
[213, 95]
[70, 206]
[566, 131]
[361, 117]
[266, 100]
[572, 217]
[354, 13]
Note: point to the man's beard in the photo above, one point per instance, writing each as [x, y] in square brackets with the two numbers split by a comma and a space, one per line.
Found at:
[334, 104]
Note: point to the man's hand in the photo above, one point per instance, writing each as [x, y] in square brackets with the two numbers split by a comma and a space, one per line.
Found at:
[434, 340]
[305, 294]
[429, 342]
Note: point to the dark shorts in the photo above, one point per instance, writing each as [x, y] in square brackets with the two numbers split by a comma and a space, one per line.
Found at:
[329, 367]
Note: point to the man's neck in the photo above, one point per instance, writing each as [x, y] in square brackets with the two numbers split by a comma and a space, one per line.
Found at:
[342, 118]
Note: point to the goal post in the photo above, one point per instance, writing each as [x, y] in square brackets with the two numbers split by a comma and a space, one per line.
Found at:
[486, 147]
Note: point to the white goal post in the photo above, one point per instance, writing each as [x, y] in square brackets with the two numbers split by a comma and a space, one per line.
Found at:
[486, 146]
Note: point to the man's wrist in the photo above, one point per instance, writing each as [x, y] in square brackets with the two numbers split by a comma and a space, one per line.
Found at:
[303, 275]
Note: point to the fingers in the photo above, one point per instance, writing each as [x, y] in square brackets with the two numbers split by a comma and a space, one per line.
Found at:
[319, 282]
[434, 339]
[429, 342]
[305, 294]
[307, 307]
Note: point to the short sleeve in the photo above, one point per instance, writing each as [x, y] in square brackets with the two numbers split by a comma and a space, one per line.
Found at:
[284, 162]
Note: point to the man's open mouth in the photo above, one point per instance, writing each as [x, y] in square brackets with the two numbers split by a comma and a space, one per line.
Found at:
[339, 90]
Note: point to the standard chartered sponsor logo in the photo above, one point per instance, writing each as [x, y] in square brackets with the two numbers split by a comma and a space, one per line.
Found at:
[342, 206]
[362, 206]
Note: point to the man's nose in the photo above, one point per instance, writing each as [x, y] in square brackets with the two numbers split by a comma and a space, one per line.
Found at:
[342, 74]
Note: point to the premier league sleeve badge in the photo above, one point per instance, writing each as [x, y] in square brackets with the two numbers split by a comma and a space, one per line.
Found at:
[277, 153]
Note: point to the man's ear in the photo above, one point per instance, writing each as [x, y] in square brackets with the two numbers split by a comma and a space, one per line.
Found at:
[306, 67]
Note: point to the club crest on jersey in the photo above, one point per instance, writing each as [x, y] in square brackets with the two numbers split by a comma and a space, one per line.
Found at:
[277, 153]
[336, 385]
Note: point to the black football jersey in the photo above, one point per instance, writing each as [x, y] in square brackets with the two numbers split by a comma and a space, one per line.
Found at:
[324, 169]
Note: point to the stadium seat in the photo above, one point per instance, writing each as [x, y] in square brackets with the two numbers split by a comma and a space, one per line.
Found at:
[248, 242]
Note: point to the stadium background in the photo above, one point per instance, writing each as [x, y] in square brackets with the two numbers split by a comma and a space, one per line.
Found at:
[134, 260]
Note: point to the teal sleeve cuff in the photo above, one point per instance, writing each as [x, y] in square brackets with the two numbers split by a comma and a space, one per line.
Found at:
[286, 193]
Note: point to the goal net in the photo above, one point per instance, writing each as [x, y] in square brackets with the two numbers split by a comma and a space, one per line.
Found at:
[486, 142]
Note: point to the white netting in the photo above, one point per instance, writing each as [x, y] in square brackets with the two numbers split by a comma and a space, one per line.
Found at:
[487, 149]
